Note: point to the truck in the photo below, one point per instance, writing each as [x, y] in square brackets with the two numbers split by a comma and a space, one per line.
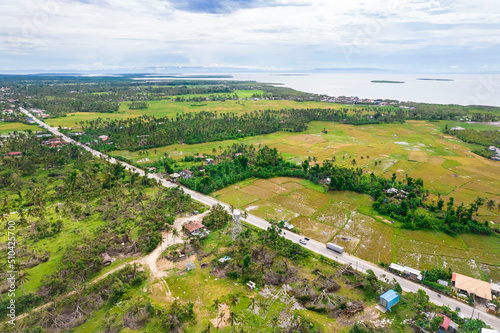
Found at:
[334, 247]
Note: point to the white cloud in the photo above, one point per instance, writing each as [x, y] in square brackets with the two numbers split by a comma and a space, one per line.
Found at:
[291, 32]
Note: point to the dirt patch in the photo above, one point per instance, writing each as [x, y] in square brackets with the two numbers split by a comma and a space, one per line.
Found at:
[164, 264]
[218, 272]
[371, 314]
[222, 319]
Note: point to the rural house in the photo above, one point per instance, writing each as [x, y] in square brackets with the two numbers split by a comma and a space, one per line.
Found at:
[106, 259]
[196, 228]
[448, 326]
[389, 299]
[186, 174]
[13, 154]
[468, 285]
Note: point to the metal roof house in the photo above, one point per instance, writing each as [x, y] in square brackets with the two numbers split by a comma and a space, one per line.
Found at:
[389, 299]
[406, 271]
[447, 326]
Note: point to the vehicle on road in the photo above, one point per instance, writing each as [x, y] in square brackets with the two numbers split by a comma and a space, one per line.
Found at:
[335, 247]
[306, 238]
[302, 241]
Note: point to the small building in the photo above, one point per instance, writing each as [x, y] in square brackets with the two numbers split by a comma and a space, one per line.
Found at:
[13, 154]
[405, 271]
[152, 169]
[492, 148]
[443, 283]
[392, 190]
[106, 259]
[103, 137]
[448, 326]
[186, 174]
[251, 285]
[195, 228]
[468, 285]
[389, 299]
[495, 288]
[209, 160]
[175, 176]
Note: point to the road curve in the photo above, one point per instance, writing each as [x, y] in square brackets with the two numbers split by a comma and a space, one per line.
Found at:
[312, 245]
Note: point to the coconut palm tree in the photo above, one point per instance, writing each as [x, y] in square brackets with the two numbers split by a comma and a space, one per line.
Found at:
[23, 278]
[233, 319]
[490, 204]
[216, 306]
[175, 233]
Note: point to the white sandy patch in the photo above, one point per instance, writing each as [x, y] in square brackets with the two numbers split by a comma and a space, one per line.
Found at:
[401, 143]
[249, 208]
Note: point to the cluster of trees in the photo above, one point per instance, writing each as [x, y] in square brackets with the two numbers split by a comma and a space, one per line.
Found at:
[148, 132]
[483, 138]
[406, 202]
[48, 186]
[135, 105]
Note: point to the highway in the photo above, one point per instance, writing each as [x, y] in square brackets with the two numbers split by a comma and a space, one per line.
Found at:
[312, 245]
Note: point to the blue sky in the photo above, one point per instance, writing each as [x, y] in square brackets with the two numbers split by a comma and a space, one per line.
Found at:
[435, 36]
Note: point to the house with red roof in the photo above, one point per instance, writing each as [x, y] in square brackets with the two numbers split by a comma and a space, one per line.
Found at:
[13, 154]
[448, 326]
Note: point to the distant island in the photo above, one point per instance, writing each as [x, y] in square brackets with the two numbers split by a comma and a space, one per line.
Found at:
[427, 79]
[386, 81]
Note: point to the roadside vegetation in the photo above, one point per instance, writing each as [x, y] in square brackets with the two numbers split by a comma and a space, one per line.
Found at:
[69, 208]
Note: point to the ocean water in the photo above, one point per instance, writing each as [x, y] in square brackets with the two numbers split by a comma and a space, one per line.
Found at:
[464, 89]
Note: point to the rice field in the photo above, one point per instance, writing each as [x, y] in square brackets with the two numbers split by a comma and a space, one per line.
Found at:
[341, 217]
[417, 149]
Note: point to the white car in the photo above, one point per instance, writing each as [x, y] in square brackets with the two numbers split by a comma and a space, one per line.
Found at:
[303, 242]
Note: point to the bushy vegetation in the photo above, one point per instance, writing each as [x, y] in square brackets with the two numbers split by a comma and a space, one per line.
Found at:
[405, 202]
[47, 189]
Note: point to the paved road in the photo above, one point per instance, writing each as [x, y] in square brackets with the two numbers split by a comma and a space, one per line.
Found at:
[312, 245]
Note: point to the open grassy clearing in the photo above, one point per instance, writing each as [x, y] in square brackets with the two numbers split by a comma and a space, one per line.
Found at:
[8, 127]
[340, 217]
[170, 108]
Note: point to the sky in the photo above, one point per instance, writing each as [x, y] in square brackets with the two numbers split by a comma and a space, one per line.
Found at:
[424, 36]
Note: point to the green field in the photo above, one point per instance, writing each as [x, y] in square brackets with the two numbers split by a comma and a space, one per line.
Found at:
[416, 148]
[170, 108]
[7, 127]
[340, 217]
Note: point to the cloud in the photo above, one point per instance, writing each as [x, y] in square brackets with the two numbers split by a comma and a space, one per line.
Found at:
[254, 33]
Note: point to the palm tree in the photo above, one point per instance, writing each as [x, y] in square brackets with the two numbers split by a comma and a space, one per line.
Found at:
[233, 319]
[274, 322]
[23, 278]
[262, 306]
[233, 299]
[175, 233]
[490, 204]
[216, 306]
[208, 329]
[221, 316]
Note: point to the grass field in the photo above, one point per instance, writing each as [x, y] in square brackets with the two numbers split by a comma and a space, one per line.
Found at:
[340, 217]
[7, 127]
[416, 148]
[170, 108]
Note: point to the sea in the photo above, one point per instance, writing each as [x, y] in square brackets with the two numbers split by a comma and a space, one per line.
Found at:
[462, 89]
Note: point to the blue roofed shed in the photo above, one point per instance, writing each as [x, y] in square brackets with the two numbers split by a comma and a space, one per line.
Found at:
[389, 299]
